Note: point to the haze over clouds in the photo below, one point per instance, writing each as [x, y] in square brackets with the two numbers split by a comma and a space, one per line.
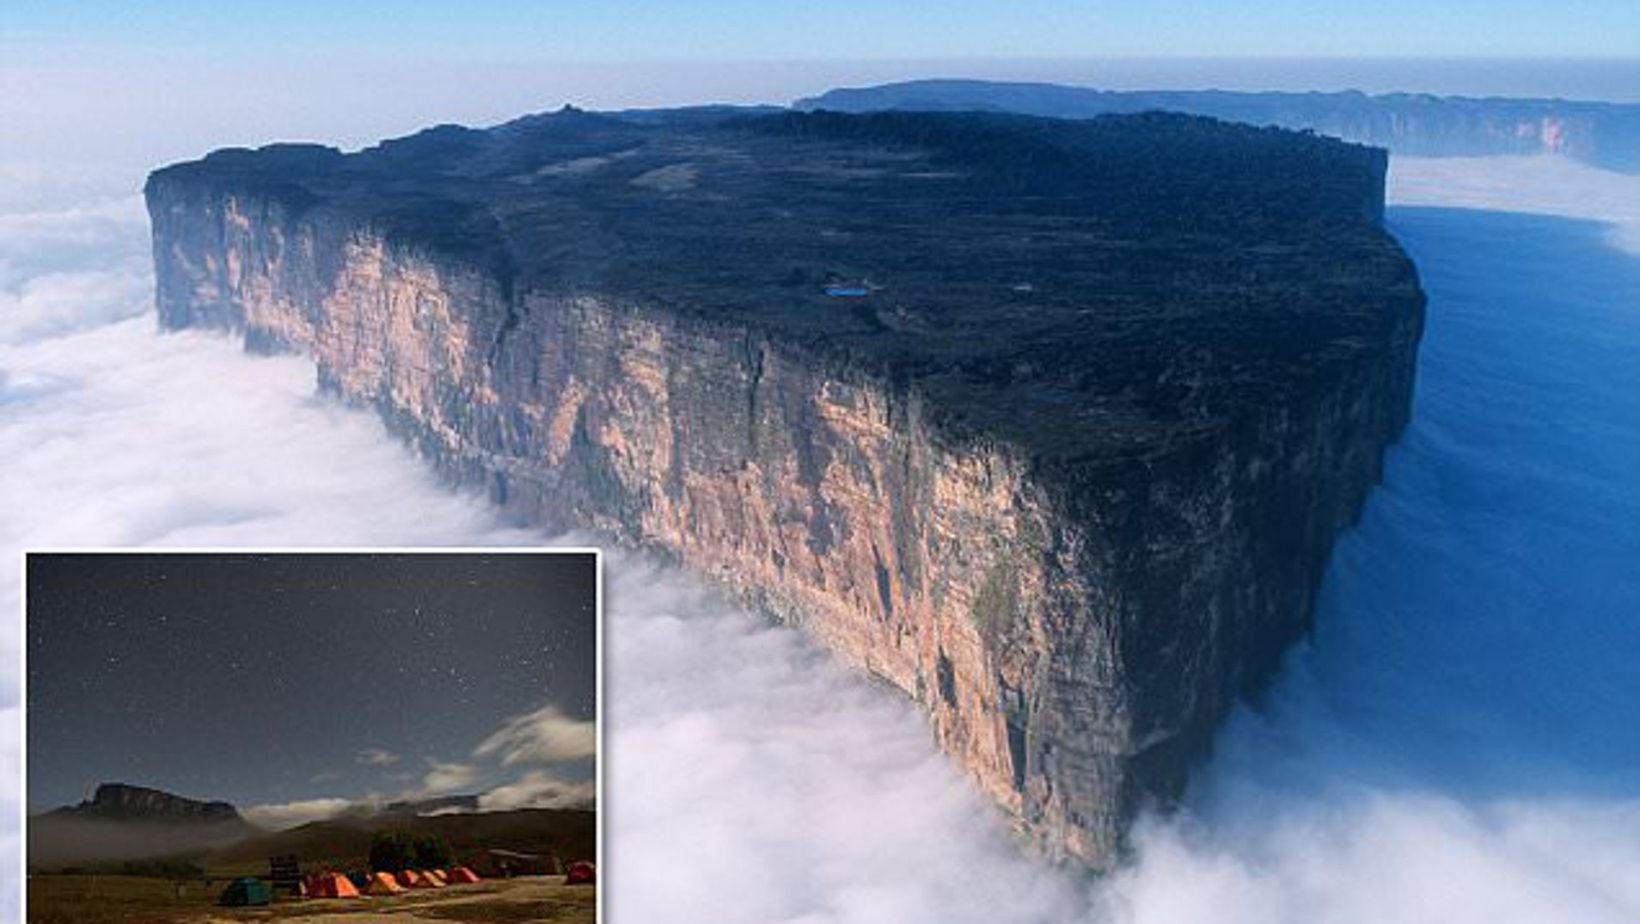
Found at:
[132, 110]
[543, 736]
[1531, 185]
[291, 814]
[1456, 743]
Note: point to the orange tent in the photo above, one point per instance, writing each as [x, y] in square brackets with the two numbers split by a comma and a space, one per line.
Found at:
[409, 879]
[438, 876]
[580, 872]
[383, 884]
[462, 874]
[332, 885]
[424, 880]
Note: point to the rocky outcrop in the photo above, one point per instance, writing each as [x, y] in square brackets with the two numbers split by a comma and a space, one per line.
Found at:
[1606, 135]
[123, 824]
[1063, 462]
[122, 801]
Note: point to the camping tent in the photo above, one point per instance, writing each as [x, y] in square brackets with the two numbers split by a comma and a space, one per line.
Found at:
[438, 876]
[462, 874]
[242, 892]
[406, 878]
[433, 878]
[383, 884]
[332, 885]
[580, 872]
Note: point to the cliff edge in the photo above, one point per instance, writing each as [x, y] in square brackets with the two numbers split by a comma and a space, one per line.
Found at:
[1050, 424]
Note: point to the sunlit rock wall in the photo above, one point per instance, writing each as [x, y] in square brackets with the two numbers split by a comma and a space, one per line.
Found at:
[1074, 632]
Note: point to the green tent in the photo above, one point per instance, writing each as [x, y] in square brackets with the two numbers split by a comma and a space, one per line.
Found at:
[242, 892]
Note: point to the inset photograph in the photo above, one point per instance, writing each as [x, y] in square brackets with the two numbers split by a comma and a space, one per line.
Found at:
[411, 735]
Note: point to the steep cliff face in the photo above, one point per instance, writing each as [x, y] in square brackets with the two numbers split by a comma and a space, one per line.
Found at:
[1067, 475]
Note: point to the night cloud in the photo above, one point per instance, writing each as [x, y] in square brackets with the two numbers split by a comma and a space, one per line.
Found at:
[545, 736]
[534, 739]
[291, 814]
[376, 757]
[538, 789]
[445, 778]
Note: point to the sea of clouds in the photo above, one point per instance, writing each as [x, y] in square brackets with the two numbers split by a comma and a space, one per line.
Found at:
[1456, 743]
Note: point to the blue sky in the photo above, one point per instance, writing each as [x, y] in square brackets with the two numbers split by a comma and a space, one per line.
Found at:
[126, 85]
[649, 30]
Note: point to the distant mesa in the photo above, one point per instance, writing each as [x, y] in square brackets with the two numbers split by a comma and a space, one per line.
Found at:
[123, 802]
[1605, 135]
[121, 823]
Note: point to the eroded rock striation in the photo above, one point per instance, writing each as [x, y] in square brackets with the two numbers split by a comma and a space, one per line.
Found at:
[1051, 425]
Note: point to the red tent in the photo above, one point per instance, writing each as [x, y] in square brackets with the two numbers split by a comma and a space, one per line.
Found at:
[580, 872]
[408, 878]
[462, 874]
[332, 885]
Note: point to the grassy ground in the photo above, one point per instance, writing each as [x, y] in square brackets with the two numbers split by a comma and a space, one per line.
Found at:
[96, 899]
[99, 899]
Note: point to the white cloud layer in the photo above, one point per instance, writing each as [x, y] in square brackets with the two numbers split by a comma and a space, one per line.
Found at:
[1443, 750]
[545, 736]
[292, 814]
[64, 270]
[1535, 185]
[745, 763]
[446, 778]
[538, 789]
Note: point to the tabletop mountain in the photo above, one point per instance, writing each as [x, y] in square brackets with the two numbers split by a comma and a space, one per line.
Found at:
[1049, 424]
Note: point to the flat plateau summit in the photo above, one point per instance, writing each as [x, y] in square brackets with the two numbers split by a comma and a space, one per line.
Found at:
[1050, 424]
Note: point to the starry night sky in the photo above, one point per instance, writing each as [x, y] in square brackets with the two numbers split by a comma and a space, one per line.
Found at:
[272, 678]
